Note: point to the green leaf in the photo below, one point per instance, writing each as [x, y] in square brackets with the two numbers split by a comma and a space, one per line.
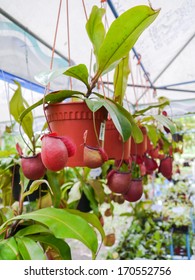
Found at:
[166, 122]
[94, 105]
[79, 72]
[95, 28]
[9, 249]
[63, 225]
[34, 186]
[33, 229]
[53, 180]
[74, 194]
[120, 79]
[136, 132]
[58, 244]
[160, 105]
[53, 97]
[120, 121]
[29, 249]
[91, 219]
[46, 77]
[123, 120]
[123, 34]
[98, 190]
[17, 105]
[89, 192]
[152, 134]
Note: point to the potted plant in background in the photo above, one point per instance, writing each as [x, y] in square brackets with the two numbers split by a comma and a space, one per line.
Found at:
[146, 238]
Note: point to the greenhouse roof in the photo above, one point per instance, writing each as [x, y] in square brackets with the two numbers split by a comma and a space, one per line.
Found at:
[162, 60]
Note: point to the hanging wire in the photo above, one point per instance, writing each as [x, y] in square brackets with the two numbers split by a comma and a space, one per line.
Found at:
[91, 52]
[51, 64]
[55, 35]
[85, 11]
[68, 38]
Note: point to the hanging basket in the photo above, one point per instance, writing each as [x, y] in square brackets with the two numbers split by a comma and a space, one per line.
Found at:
[114, 146]
[140, 148]
[72, 120]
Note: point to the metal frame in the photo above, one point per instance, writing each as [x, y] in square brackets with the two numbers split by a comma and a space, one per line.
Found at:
[152, 86]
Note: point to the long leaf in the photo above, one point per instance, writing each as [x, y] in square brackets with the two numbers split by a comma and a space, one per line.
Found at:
[74, 193]
[79, 72]
[135, 130]
[122, 113]
[123, 34]
[120, 79]
[63, 225]
[33, 229]
[152, 134]
[34, 186]
[9, 249]
[89, 192]
[54, 97]
[95, 28]
[17, 105]
[53, 180]
[91, 219]
[46, 77]
[166, 122]
[121, 123]
[160, 105]
[94, 105]
[29, 249]
[58, 244]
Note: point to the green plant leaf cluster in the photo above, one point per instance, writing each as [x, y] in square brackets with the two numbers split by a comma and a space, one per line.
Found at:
[111, 50]
[17, 105]
[122, 35]
[51, 227]
[147, 236]
[121, 74]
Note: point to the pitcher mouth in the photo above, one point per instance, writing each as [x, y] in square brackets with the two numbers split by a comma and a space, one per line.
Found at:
[123, 172]
[29, 157]
[137, 179]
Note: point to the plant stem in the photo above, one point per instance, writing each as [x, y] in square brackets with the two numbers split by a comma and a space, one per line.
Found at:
[95, 130]
[25, 140]
[94, 81]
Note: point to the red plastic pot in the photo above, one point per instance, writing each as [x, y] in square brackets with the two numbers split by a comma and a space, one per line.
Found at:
[72, 120]
[113, 145]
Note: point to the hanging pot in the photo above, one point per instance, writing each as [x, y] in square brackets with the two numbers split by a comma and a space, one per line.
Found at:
[114, 145]
[135, 190]
[139, 148]
[73, 120]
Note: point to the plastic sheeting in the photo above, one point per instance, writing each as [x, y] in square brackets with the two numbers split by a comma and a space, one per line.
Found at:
[166, 48]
